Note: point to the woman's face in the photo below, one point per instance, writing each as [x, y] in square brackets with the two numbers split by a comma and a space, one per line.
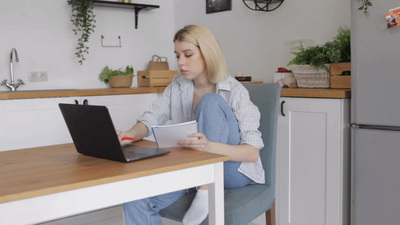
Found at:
[190, 60]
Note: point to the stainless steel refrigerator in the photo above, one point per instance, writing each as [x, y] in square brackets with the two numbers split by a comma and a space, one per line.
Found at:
[375, 180]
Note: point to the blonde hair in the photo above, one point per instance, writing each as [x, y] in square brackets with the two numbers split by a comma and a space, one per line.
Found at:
[205, 40]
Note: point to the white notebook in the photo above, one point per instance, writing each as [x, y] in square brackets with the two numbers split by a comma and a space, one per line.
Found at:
[168, 136]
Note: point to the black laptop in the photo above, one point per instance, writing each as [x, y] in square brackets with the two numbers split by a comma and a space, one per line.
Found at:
[93, 133]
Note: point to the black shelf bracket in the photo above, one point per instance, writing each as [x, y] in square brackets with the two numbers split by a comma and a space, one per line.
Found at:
[137, 7]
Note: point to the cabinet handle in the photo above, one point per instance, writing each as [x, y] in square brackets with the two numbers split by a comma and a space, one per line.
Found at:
[76, 102]
[283, 114]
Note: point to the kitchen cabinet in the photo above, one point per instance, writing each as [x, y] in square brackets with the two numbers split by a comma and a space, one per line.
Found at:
[313, 162]
[32, 122]
[124, 109]
[39, 122]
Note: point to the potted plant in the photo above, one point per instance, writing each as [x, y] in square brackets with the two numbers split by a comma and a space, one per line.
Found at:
[316, 62]
[318, 57]
[117, 78]
[83, 19]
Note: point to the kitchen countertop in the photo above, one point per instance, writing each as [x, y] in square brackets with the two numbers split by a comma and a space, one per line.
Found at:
[71, 92]
[285, 92]
[316, 93]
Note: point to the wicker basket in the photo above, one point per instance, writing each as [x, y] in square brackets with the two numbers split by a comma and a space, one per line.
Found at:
[308, 77]
[158, 63]
[122, 81]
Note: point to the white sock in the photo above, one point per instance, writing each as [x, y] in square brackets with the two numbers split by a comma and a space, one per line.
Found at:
[198, 210]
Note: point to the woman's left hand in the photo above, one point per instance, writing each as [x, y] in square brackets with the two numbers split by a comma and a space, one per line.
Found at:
[201, 143]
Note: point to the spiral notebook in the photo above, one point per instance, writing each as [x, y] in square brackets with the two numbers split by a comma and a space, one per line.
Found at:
[168, 136]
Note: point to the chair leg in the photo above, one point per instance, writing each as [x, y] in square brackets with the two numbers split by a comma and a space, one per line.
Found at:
[270, 215]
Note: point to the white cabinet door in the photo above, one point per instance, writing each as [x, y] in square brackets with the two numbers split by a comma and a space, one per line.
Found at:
[124, 109]
[26, 123]
[32, 122]
[312, 162]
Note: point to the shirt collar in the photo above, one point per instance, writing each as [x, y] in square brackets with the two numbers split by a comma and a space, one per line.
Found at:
[223, 85]
[184, 84]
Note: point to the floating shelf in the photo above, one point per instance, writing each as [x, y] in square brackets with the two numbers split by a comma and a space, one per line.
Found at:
[263, 5]
[137, 7]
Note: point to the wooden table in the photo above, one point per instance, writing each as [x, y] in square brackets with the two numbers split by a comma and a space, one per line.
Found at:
[52, 182]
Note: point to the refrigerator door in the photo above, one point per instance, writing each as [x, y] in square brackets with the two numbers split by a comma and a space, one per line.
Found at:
[375, 53]
[375, 177]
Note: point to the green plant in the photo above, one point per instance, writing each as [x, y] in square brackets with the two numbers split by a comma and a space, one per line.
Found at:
[83, 19]
[107, 73]
[318, 57]
[315, 56]
[364, 6]
[339, 50]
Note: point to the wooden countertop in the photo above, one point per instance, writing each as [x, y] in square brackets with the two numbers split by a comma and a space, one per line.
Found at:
[71, 92]
[45, 170]
[77, 92]
[285, 92]
[316, 93]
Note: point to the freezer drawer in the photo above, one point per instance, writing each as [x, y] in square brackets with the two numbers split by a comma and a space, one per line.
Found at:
[375, 177]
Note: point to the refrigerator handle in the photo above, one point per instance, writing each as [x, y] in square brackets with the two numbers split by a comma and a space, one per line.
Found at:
[283, 114]
[375, 127]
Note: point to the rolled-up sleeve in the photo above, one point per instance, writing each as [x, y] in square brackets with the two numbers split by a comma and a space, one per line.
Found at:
[248, 117]
[159, 111]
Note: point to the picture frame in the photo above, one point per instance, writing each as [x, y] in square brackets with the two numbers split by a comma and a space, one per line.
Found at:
[213, 6]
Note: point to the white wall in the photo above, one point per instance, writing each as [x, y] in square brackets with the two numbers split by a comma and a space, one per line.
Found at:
[41, 32]
[254, 42]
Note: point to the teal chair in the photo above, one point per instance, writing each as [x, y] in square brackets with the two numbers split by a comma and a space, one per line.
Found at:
[243, 205]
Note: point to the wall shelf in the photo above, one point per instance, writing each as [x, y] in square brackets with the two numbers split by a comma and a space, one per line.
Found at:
[137, 7]
[263, 5]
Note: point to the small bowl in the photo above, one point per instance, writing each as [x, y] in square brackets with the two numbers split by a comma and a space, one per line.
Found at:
[288, 82]
[278, 77]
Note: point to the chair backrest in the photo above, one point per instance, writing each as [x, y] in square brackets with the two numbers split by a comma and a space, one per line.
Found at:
[266, 97]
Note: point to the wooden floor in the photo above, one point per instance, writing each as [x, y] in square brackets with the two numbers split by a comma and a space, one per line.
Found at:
[115, 216]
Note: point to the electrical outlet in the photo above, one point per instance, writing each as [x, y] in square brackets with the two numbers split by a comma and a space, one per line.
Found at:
[37, 76]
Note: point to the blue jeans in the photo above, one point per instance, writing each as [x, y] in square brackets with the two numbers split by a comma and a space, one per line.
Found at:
[217, 121]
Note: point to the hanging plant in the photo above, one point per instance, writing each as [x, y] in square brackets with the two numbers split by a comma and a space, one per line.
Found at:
[364, 6]
[83, 19]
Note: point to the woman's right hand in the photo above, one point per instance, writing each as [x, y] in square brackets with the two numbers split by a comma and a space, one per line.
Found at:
[125, 134]
[137, 132]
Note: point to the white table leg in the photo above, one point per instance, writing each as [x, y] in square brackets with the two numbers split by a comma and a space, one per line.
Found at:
[216, 197]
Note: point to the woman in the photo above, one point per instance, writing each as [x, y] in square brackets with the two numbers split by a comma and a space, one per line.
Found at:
[228, 122]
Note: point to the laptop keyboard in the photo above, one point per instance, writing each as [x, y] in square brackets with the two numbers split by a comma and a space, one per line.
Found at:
[133, 155]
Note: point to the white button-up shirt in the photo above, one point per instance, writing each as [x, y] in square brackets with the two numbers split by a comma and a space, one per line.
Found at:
[176, 102]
